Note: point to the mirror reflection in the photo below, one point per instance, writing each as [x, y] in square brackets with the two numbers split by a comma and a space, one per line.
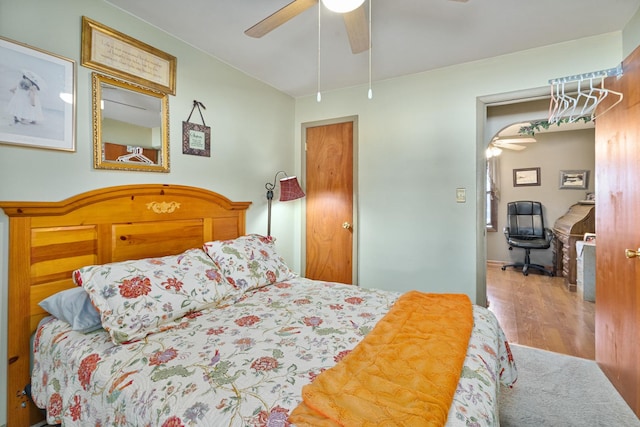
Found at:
[130, 126]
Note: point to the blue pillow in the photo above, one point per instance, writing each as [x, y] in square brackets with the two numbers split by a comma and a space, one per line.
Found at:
[74, 307]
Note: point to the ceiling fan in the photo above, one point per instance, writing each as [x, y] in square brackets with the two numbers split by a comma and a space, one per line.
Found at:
[355, 22]
[512, 143]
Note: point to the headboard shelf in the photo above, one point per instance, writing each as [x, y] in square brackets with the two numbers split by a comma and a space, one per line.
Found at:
[48, 240]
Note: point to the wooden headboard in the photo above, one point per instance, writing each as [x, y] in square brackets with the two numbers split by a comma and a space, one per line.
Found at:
[48, 240]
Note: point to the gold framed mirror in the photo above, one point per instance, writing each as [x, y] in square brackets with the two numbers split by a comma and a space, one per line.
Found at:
[130, 126]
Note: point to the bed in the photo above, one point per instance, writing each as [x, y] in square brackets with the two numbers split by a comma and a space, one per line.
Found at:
[242, 339]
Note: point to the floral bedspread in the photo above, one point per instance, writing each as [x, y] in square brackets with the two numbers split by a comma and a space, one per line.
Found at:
[240, 365]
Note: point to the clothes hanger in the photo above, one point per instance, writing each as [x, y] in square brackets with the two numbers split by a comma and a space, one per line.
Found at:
[566, 103]
[554, 105]
[605, 92]
[591, 100]
[560, 103]
[135, 155]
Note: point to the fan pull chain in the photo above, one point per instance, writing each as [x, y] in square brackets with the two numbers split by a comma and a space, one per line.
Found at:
[319, 96]
[370, 93]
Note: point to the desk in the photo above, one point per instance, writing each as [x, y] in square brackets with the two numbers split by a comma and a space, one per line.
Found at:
[567, 230]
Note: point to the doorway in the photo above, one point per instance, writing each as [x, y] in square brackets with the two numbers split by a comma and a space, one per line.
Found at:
[330, 224]
[486, 131]
[560, 147]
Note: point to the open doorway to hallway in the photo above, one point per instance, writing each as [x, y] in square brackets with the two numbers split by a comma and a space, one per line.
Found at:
[536, 310]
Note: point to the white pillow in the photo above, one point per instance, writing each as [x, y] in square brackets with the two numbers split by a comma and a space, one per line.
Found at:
[74, 307]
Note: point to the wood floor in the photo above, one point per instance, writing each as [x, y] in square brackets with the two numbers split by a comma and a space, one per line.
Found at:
[538, 311]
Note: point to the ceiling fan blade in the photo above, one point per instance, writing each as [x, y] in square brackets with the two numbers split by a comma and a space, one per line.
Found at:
[516, 140]
[508, 146]
[357, 29]
[278, 18]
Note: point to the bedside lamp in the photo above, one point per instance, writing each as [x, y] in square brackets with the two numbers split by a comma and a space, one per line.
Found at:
[289, 190]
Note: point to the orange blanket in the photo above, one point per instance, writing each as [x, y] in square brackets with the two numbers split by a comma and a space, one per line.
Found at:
[403, 373]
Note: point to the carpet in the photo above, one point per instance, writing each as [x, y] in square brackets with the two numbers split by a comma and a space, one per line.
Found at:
[558, 390]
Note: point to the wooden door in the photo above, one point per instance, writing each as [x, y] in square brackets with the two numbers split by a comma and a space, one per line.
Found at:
[618, 228]
[329, 202]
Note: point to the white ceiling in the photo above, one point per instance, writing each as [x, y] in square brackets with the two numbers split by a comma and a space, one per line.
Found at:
[408, 36]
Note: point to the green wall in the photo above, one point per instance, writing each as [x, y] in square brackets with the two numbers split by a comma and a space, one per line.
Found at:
[251, 130]
[421, 137]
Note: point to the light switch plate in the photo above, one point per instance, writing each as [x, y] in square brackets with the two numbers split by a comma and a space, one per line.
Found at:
[461, 195]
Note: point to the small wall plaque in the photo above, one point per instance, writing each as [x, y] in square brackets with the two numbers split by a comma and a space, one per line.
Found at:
[196, 138]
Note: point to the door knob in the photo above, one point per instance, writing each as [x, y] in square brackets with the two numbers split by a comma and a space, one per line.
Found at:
[630, 253]
[346, 225]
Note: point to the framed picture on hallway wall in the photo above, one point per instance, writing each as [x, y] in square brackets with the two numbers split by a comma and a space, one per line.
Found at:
[526, 177]
[574, 179]
[37, 97]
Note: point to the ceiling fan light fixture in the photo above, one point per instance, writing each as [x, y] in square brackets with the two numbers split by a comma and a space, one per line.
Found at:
[493, 151]
[342, 6]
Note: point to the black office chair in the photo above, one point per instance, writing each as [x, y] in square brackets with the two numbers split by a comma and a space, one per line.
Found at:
[525, 229]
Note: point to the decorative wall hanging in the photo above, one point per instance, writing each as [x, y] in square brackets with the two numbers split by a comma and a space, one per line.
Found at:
[196, 138]
[526, 177]
[112, 52]
[41, 95]
[576, 179]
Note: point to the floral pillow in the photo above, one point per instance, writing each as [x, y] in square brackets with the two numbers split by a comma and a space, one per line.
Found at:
[137, 298]
[249, 262]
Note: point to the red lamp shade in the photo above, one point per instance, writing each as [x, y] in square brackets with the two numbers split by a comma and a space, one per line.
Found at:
[290, 189]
